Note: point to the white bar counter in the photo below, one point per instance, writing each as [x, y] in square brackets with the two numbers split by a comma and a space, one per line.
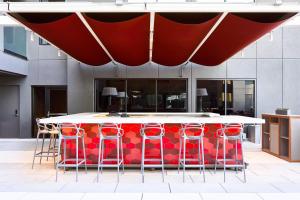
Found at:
[165, 118]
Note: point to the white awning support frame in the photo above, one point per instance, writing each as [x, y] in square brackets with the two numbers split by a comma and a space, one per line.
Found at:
[89, 28]
[215, 26]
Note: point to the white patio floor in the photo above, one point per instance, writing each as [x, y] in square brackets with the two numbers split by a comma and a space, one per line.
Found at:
[267, 178]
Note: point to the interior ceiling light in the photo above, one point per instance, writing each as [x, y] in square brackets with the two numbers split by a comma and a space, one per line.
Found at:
[58, 53]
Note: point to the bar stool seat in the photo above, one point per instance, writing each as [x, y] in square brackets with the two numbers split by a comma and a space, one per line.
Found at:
[45, 130]
[147, 134]
[113, 132]
[191, 132]
[70, 131]
[230, 132]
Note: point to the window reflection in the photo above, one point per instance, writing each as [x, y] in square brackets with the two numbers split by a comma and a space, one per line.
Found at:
[171, 96]
[214, 100]
[241, 97]
[141, 95]
[107, 102]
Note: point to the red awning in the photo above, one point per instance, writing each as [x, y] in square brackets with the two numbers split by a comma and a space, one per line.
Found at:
[236, 31]
[176, 35]
[98, 38]
[125, 35]
[66, 31]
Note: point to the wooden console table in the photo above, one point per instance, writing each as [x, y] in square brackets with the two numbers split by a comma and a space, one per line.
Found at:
[281, 136]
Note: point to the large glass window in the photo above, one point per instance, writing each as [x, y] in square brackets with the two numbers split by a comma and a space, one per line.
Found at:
[171, 96]
[15, 41]
[237, 95]
[106, 99]
[241, 97]
[211, 96]
[141, 95]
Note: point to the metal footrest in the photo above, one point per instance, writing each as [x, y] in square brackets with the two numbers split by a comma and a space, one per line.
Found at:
[62, 164]
[110, 165]
[152, 165]
[49, 154]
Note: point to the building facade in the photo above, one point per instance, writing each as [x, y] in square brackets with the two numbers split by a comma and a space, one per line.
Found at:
[272, 63]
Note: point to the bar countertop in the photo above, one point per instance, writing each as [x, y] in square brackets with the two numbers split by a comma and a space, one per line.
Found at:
[166, 118]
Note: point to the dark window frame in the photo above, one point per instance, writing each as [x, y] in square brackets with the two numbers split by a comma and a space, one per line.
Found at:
[156, 88]
[225, 85]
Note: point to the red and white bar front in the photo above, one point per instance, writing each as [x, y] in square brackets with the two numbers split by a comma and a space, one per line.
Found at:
[132, 139]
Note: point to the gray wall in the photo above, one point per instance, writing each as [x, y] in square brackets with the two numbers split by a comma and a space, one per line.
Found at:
[274, 65]
[44, 68]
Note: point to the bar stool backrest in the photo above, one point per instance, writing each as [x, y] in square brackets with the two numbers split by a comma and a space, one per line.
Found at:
[153, 129]
[110, 129]
[69, 129]
[193, 130]
[233, 129]
[149, 125]
[41, 127]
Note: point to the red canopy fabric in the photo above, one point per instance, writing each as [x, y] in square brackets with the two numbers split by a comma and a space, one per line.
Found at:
[126, 40]
[234, 33]
[174, 41]
[67, 32]
[176, 35]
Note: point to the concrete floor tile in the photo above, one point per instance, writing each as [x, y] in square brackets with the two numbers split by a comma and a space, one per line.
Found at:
[143, 187]
[250, 188]
[171, 196]
[279, 196]
[112, 196]
[88, 187]
[52, 196]
[230, 196]
[202, 187]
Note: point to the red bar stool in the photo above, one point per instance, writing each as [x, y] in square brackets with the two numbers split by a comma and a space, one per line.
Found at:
[69, 131]
[152, 131]
[191, 132]
[43, 131]
[230, 132]
[114, 132]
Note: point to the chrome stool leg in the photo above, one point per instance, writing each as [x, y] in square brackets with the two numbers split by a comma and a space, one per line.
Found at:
[76, 159]
[224, 157]
[84, 153]
[122, 155]
[203, 160]
[162, 159]
[143, 159]
[118, 158]
[43, 142]
[36, 146]
[184, 155]
[57, 162]
[243, 161]
[180, 153]
[99, 158]
[217, 153]
[199, 155]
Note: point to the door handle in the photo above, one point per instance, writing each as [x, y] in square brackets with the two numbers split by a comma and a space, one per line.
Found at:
[16, 113]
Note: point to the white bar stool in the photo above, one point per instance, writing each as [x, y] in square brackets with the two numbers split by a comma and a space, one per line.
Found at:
[69, 131]
[230, 132]
[114, 132]
[191, 132]
[152, 131]
[45, 130]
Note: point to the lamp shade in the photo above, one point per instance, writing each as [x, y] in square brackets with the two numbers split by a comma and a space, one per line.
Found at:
[122, 94]
[109, 91]
[202, 92]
